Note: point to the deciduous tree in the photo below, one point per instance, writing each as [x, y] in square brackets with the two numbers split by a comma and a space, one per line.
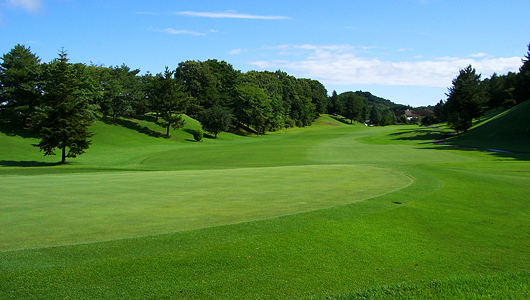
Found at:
[215, 120]
[121, 89]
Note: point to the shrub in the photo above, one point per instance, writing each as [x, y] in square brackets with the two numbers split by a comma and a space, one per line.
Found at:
[198, 134]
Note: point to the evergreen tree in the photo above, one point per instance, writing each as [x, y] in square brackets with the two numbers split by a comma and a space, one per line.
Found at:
[465, 100]
[171, 100]
[522, 89]
[65, 115]
[355, 107]
[334, 106]
[20, 89]
[375, 116]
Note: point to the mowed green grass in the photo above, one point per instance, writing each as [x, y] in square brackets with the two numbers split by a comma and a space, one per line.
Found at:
[61, 209]
[455, 221]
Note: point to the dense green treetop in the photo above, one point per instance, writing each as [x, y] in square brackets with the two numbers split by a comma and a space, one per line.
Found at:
[523, 79]
[20, 86]
[64, 118]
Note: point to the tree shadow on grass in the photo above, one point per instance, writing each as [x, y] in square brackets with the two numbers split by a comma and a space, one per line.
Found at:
[341, 119]
[134, 126]
[147, 118]
[11, 130]
[14, 163]
[421, 134]
[496, 153]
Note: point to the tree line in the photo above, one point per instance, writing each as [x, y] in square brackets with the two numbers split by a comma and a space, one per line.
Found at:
[58, 100]
[470, 96]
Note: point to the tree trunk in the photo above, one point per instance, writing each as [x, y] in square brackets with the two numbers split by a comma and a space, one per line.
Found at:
[167, 132]
[63, 159]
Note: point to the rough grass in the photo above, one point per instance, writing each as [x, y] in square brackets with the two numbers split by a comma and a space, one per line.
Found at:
[462, 224]
[505, 130]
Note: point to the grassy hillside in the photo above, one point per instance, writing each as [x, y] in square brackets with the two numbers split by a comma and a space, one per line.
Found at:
[507, 131]
[330, 210]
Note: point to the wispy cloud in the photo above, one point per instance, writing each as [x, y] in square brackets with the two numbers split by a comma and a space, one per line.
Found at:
[479, 55]
[237, 51]
[341, 65]
[32, 6]
[180, 31]
[229, 15]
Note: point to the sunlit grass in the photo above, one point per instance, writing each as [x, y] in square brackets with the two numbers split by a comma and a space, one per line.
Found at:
[436, 222]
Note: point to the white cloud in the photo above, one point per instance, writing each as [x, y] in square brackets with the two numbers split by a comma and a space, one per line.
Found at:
[340, 65]
[229, 14]
[181, 31]
[479, 55]
[28, 5]
[235, 51]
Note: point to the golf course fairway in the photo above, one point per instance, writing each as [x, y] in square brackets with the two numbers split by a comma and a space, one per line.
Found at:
[329, 211]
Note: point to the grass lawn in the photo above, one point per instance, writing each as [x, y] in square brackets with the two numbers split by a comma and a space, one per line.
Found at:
[332, 210]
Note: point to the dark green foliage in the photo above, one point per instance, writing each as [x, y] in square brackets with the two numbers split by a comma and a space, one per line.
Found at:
[375, 115]
[121, 89]
[64, 112]
[198, 134]
[252, 106]
[403, 119]
[169, 97]
[522, 89]
[334, 105]
[226, 80]
[215, 120]
[200, 83]
[388, 117]
[20, 86]
[428, 120]
[319, 96]
[355, 107]
[439, 111]
[499, 90]
[465, 100]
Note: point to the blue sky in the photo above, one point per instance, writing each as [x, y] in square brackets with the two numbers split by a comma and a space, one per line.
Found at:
[407, 51]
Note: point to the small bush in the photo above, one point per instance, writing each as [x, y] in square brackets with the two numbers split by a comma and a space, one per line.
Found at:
[198, 135]
[299, 123]
[509, 103]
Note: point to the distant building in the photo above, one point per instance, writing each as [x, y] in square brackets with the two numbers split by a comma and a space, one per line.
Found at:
[416, 114]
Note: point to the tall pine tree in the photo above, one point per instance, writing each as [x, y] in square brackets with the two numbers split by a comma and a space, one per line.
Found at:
[65, 117]
[171, 100]
[465, 100]
[19, 86]
[523, 79]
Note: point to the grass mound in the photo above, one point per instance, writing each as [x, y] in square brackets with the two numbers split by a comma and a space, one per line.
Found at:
[507, 131]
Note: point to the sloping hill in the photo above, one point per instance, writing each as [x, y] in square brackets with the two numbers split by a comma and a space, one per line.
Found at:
[507, 131]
